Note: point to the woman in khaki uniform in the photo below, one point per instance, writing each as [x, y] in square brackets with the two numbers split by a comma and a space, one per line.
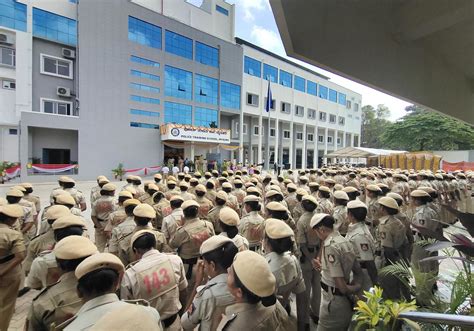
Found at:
[229, 221]
[252, 224]
[208, 302]
[340, 212]
[12, 252]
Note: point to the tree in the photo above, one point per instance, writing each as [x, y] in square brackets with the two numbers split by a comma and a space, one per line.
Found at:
[421, 130]
[374, 123]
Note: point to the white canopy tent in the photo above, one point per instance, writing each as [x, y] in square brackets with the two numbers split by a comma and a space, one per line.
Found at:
[360, 152]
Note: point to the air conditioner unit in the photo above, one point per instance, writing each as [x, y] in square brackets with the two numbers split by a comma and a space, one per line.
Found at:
[69, 53]
[63, 92]
[6, 39]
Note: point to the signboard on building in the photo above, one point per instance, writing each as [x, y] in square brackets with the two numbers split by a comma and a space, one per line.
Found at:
[197, 134]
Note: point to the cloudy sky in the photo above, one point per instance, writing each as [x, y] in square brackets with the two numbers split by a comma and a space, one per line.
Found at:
[255, 23]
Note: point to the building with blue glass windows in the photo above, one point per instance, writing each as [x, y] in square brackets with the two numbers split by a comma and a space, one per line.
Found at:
[98, 92]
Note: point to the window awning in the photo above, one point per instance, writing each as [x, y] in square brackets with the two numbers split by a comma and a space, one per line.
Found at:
[360, 152]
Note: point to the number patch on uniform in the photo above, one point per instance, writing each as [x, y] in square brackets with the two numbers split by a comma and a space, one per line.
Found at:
[157, 281]
[256, 233]
[364, 247]
[199, 238]
[331, 258]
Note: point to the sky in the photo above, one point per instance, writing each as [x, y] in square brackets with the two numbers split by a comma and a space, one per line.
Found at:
[255, 23]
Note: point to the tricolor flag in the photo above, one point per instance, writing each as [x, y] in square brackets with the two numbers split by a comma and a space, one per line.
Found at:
[268, 105]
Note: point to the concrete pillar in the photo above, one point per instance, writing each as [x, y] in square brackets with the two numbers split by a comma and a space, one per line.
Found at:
[277, 136]
[325, 159]
[260, 139]
[316, 150]
[191, 154]
[303, 152]
[344, 143]
[241, 138]
[290, 150]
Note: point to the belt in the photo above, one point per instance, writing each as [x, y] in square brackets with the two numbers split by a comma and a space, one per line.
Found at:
[7, 258]
[334, 290]
[170, 320]
[363, 264]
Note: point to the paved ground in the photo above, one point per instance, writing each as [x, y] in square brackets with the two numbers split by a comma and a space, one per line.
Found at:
[448, 269]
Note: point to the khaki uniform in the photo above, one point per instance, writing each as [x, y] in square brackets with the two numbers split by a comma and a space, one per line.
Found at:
[373, 210]
[140, 191]
[170, 193]
[44, 271]
[77, 195]
[240, 242]
[211, 195]
[408, 246]
[288, 275]
[55, 304]
[291, 201]
[252, 227]
[35, 200]
[102, 208]
[337, 260]
[139, 283]
[11, 242]
[325, 206]
[95, 194]
[205, 205]
[187, 196]
[119, 242]
[162, 209]
[297, 212]
[424, 216]
[246, 316]
[161, 242]
[208, 305]
[170, 223]
[144, 197]
[312, 278]
[340, 215]
[37, 245]
[240, 195]
[213, 217]
[359, 236]
[233, 203]
[115, 218]
[94, 309]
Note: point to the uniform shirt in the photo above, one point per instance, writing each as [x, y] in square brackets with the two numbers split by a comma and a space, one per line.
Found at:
[190, 236]
[246, 316]
[44, 271]
[169, 193]
[120, 239]
[240, 195]
[170, 223]
[291, 200]
[139, 282]
[55, 304]
[233, 203]
[93, 310]
[340, 215]
[425, 216]
[288, 275]
[115, 218]
[77, 195]
[35, 200]
[205, 205]
[208, 305]
[187, 196]
[240, 242]
[95, 193]
[213, 217]
[325, 206]
[391, 232]
[306, 235]
[162, 209]
[37, 245]
[103, 207]
[11, 242]
[358, 234]
[337, 259]
[252, 227]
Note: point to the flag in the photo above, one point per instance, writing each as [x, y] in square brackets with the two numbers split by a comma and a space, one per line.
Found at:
[268, 105]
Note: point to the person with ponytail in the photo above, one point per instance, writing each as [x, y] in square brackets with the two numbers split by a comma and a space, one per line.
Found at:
[252, 224]
[277, 245]
[252, 284]
[229, 221]
[207, 302]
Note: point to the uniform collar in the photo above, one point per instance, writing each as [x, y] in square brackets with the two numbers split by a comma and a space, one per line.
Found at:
[330, 237]
[151, 252]
[384, 219]
[177, 211]
[240, 307]
[222, 278]
[68, 276]
[99, 301]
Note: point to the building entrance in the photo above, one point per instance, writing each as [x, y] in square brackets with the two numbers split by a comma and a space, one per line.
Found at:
[56, 156]
[173, 154]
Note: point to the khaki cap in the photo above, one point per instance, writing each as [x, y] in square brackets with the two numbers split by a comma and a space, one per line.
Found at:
[127, 317]
[126, 194]
[215, 172]
[158, 176]
[356, 204]
[227, 185]
[213, 243]
[250, 198]
[56, 211]
[14, 193]
[200, 188]
[439, 176]
[74, 247]
[19, 188]
[330, 181]
[131, 202]
[103, 180]
[131, 190]
[292, 186]
[419, 194]
[67, 221]
[388, 202]
[229, 216]
[211, 182]
[171, 181]
[14, 211]
[349, 189]
[193, 180]
[373, 188]
[99, 261]
[301, 191]
[109, 187]
[222, 195]
[338, 187]
[275, 187]
[189, 203]
[310, 198]
[287, 181]
[144, 210]
[277, 229]
[152, 186]
[341, 195]
[184, 184]
[253, 189]
[66, 179]
[303, 178]
[317, 218]
[275, 206]
[272, 193]
[395, 196]
[325, 189]
[26, 185]
[237, 181]
[176, 198]
[427, 189]
[65, 199]
[253, 271]
[138, 234]
[382, 185]
[313, 184]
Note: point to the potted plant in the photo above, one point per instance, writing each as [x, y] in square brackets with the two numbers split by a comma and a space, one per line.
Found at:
[119, 172]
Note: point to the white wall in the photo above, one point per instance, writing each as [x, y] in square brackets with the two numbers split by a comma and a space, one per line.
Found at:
[456, 156]
[53, 138]
[8, 144]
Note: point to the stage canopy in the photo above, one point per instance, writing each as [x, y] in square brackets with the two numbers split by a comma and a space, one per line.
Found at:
[360, 152]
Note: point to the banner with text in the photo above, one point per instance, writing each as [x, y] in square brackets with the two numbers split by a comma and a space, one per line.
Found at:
[198, 134]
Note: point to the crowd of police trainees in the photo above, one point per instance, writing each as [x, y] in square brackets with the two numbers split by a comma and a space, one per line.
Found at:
[219, 251]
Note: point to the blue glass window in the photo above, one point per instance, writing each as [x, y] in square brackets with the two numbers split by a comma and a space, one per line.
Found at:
[286, 79]
[179, 45]
[332, 95]
[206, 54]
[144, 33]
[270, 73]
[13, 15]
[300, 84]
[205, 117]
[144, 113]
[178, 113]
[342, 99]
[54, 27]
[73, 1]
[312, 88]
[146, 75]
[252, 67]
[205, 89]
[222, 10]
[178, 83]
[139, 98]
[144, 88]
[323, 92]
[230, 95]
[143, 61]
[144, 125]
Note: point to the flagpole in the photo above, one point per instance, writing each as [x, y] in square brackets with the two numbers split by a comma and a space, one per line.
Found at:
[267, 140]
